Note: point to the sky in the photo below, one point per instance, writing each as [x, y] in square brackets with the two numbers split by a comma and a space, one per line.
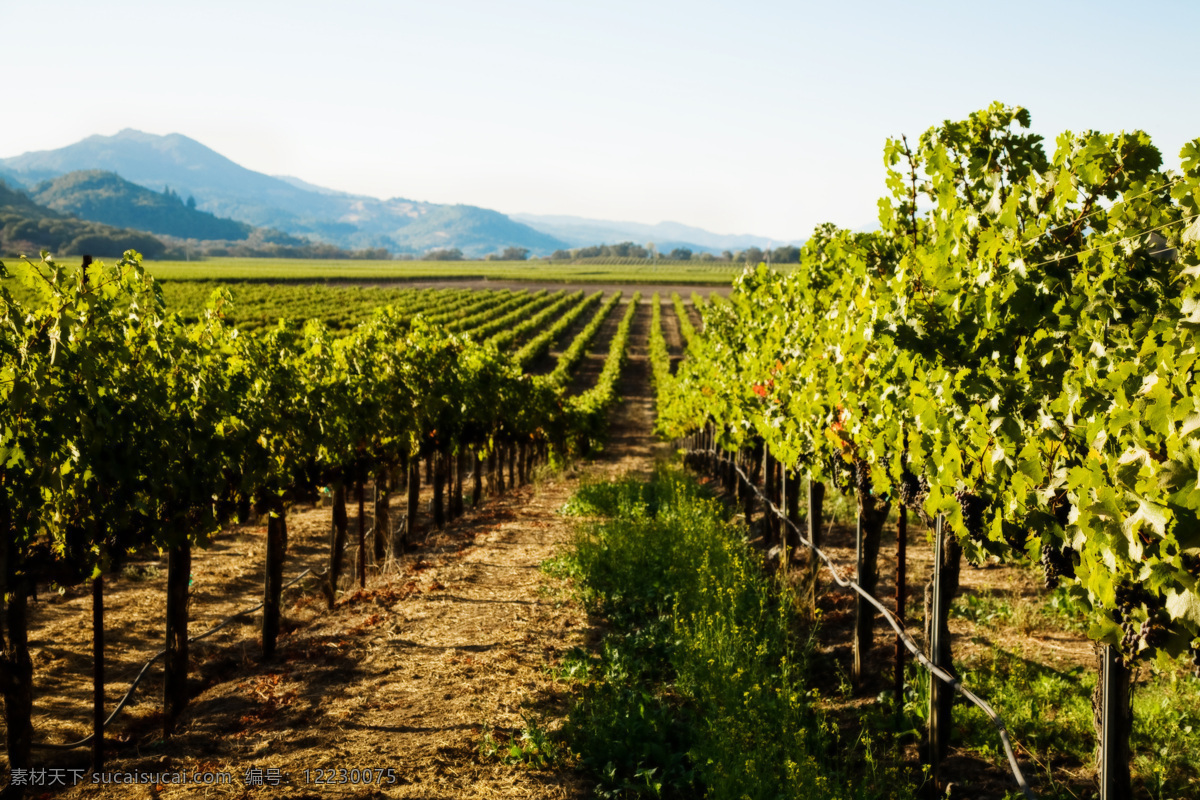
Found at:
[763, 118]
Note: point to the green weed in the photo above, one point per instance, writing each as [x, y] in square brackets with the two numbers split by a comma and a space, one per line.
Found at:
[700, 689]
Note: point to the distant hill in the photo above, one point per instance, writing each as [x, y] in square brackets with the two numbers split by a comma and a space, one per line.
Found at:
[227, 189]
[107, 197]
[583, 232]
[11, 178]
[27, 228]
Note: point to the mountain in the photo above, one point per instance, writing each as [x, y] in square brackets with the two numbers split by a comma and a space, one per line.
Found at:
[27, 228]
[106, 197]
[227, 189]
[12, 179]
[582, 232]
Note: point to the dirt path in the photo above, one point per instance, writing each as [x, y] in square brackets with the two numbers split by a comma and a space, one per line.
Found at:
[445, 650]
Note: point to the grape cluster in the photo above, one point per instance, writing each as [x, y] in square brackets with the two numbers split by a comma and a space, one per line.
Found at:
[1129, 640]
[1130, 596]
[862, 476]
[1153, 632]
[909, 490]
[973, 507]
[1057, 563]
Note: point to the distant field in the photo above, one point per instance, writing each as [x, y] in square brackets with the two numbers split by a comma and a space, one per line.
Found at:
[301, 270]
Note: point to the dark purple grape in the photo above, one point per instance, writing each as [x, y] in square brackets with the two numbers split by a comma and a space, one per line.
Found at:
[973, 507]
[1057, 563]
[1155, 633]
[909, 490]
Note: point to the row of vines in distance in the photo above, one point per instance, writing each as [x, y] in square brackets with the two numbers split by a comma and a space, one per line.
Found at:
[128, 426]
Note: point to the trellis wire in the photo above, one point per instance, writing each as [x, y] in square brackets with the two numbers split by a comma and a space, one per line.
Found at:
[142, 673]
[941, 674]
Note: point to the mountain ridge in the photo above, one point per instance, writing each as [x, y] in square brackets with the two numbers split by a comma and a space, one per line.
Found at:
[667, 235]
[226, 189]
[177, 163]
[106, 197]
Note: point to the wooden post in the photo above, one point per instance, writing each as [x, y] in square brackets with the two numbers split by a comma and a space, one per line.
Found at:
[273, 584]
[16, 667]
[862, 619]
[940, 695]
[383, 521]
[175, 669]
[477, 480]
[337, 544]
[792, 493]
[521, 477]
[439, 490]
[748, 488]
[512, 466]
[816, 505]
[98, 673]
[770, 525]
[360, 495]
[414, 502]
[498, 472]
[460, 469]
[1115, 717]
[785, 507]
[901, 600]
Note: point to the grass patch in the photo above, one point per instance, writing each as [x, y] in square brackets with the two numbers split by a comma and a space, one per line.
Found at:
[700, 689]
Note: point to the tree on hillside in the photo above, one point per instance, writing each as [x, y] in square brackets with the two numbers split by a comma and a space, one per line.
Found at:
[788, 254]
[752, 255]
[191, 203]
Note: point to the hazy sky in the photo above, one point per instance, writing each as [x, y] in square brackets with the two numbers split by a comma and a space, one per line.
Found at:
[739, 117]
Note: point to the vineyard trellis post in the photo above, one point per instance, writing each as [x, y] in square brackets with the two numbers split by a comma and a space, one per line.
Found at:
[16, 670]
[383, 522]
[1116, 720]
[273, 584]
[414, 500]
[477, 482]
[98, 672]
[901, 600]
[770, 521]
[862, 619]
[439, 490]
[361, 496]
[460, 469]
[337, 544]
[941, 696]
[179, 570]
[816, 502]
[792, 498]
